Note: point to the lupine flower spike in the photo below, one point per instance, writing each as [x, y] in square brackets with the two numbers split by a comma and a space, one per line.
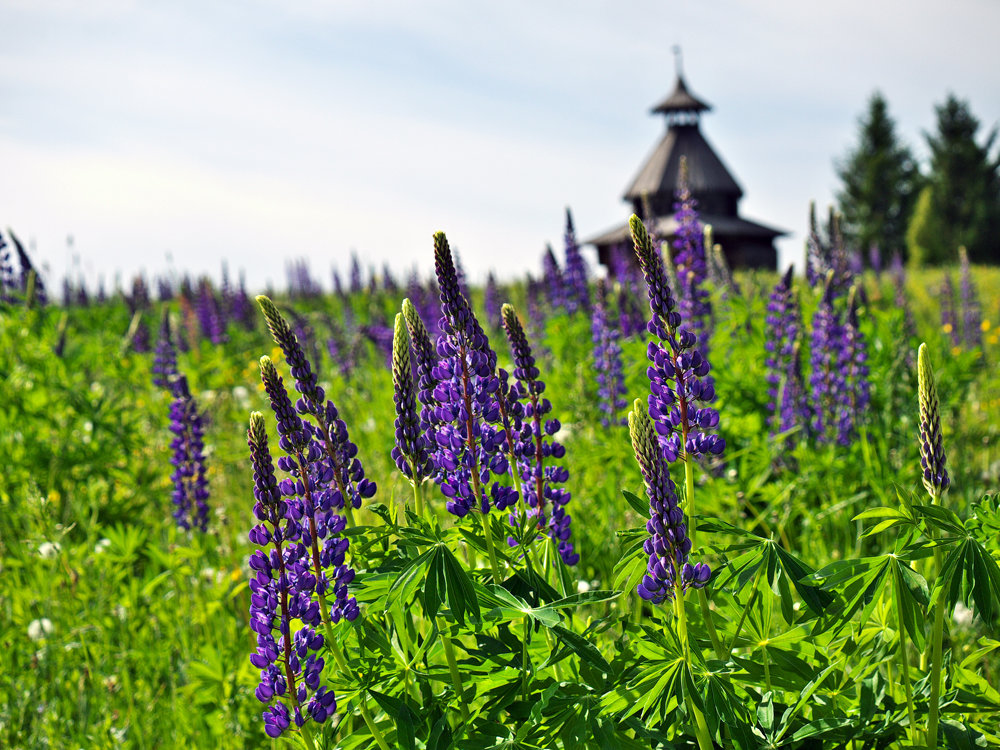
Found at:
[314, 496]
[678, 374]
[932, 457]
[668, 545]
[468, 448]
[348, 474]
[188, 459]
[782, 330]
[535, 445]
[608, 363]
[410, 450]
[165, 361]
[281, 595]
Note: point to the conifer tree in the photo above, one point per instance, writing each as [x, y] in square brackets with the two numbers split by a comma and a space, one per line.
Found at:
[881, 182]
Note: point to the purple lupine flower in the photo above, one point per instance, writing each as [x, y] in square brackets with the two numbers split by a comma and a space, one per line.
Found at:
[783, 326]
[242, 309]
[536, 310]
[679, 378]
[27, 269]
[828, 381]
[491, 302]
[311, 490]
[140, 334]
[949, 321]
[82, 296]
[389, 283]
[410, 451]
[668, 545]
[338, 284]
[577, 291]
[7, 282]
[607, 364]
[875, 259]
[932, 456]
[468, 447]
[190, 494]
[425, 359]
[854, 364]
[226, 293]
[164, 289]
[552, 276]
[301, 283]
[380, 334]
[817, 251]
[356, 281]
[67, 292]
[341, 454]
[165, 361]
[972, 318]
[689, 260]
[281, 591]
[210, 316]
[535, 444]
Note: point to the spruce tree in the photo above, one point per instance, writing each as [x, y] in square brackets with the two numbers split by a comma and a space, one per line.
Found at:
[965, 183]
[881, 182]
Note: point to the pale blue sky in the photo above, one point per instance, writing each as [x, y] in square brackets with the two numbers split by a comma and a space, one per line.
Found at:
[259, 130]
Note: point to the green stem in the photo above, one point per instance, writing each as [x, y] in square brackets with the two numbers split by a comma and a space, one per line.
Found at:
[746, 611]
[524, 660]
[338, 656]
[456, 676]
[307, 736]
[418, 499]
[488, 538]
[701, 727]
[905, 662]
[706, 611]
[937, 638]
[767, 668]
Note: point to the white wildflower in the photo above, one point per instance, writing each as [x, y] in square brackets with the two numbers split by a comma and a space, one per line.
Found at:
[582, 587]
[48, 550]
[962, 615]
[40, 629]
[102, 545]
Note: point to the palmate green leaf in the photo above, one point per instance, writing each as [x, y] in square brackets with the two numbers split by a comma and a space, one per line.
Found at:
[804, 698]
[461, 593]
[940, 517]
[630, 569]
[859, 581]
[830, 729]
[971, 574]
[402, 715]
[913, 595]
[723, 707]
[408, 580]
[783, 571]
[583, 648]
[961, 736]
[765, 716]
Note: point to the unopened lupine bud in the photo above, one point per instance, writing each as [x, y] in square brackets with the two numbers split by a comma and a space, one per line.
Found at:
[932, 457]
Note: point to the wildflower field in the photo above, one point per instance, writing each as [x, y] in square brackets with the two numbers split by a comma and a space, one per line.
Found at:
[672, 508]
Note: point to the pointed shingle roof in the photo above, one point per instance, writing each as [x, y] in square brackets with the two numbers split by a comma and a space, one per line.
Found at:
[681, 100]
[659, 173]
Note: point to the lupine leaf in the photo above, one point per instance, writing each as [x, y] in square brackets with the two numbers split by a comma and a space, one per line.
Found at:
[402, 715]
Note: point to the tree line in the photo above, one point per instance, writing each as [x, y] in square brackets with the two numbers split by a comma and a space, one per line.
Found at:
[888, 201]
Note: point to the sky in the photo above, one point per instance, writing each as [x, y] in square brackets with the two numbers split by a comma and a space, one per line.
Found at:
[174, 136]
